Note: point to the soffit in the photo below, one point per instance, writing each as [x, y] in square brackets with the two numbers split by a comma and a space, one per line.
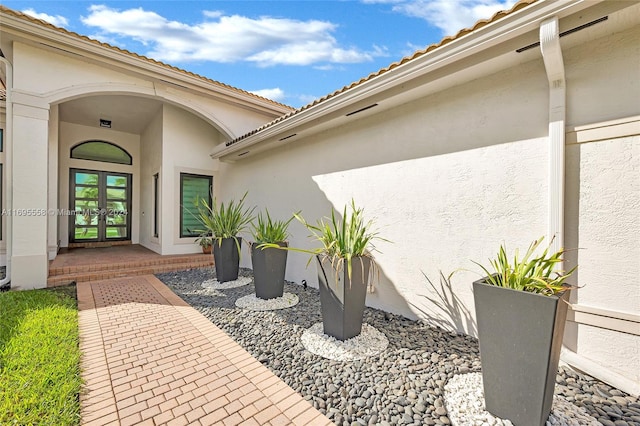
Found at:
[129, 114]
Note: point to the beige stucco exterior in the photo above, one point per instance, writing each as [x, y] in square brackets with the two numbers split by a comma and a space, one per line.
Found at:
[452, 161]
[451, 175]
[61, 87]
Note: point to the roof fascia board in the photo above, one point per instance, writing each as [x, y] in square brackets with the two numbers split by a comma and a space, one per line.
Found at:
[520, 22]
[78, 46]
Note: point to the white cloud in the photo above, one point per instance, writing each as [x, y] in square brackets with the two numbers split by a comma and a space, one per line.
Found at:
[58, 20]
[449, 15]
[306, 99]
[411, 49]
[212, 13]
[276, 94]
[265, 41]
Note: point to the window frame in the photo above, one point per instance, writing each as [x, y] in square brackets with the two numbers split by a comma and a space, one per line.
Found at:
[156, 205]
[182, 208]
[129, 163]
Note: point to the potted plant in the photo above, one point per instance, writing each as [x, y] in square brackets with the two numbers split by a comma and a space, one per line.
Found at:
[269, 263]
[521, 308]
[205, 241]
[344, 265]
[225, 222]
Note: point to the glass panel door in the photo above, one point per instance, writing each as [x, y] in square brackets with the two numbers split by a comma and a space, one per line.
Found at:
[86, 206]
[101, 202]
[117, 197]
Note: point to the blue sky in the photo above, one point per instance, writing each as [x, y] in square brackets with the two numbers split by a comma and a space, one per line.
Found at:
[291, 51]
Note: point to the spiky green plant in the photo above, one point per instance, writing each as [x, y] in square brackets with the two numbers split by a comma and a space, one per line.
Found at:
[225, 220]
[342, 239]
[204, 239]
[270, 231]
[535, 274]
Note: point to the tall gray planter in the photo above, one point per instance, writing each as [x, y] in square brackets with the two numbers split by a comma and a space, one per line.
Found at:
[269, 267]
[342, 300]
[226, 258]
[520, 337]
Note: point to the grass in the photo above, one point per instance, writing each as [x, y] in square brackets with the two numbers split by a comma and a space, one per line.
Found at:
[39, 358]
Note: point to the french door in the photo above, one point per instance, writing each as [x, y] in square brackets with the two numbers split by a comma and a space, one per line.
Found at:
[101, 203]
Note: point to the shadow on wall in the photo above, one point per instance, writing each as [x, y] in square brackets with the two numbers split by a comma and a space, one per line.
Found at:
[300, 266]
[479, 114]
[448, 312]
[432, 173]
[383, 293]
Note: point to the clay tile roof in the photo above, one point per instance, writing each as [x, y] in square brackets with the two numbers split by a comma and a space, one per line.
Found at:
[479, 24]
[42, 23]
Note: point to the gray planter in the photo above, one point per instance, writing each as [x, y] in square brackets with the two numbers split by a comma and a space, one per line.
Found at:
[268, 270]
[520, 337]
[226, 257]
[342, 300]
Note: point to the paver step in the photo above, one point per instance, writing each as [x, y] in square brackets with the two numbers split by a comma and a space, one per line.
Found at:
[95, 267]
[85, 273]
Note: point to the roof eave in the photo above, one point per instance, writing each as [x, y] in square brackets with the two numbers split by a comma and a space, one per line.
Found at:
[513, 25]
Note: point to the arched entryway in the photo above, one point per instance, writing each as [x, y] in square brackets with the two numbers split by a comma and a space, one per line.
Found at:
[121, 159]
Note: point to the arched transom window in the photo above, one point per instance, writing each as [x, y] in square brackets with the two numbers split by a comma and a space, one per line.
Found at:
[101, 151]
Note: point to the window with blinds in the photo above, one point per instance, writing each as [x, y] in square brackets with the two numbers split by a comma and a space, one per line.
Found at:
[192, 187]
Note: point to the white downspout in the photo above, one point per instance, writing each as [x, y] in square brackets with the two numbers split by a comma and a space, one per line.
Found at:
[8, 166]
[554, 66]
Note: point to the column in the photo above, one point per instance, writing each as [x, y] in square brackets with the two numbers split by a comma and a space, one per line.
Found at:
[29, 260]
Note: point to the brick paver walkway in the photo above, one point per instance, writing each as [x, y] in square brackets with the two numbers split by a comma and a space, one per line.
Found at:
[149, 358]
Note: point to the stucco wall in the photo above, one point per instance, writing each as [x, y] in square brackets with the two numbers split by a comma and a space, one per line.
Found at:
[448, 178]
[603, 213]
[151, 151]
[192, 125]
[602, 78]
[187, 142]
[603, 196]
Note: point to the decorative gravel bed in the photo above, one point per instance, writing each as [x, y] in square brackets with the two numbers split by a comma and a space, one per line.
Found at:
[405, 384]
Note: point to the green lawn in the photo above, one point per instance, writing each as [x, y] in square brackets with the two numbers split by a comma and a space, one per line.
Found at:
[39, 358]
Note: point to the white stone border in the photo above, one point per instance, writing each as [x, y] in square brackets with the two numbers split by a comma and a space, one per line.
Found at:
[370, 342]
[216, 285]
[464, 401]
[253, 303]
